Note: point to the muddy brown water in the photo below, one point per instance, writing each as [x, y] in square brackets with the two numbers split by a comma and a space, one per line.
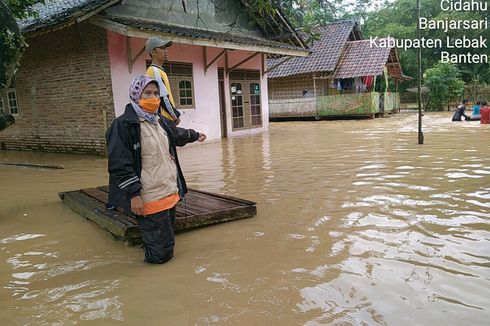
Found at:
[357, 224]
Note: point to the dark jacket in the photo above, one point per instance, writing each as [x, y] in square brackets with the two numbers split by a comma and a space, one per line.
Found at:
[460, 113]
[124, 153]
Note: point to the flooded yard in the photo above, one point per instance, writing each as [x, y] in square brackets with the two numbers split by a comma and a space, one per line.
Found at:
[357, 224]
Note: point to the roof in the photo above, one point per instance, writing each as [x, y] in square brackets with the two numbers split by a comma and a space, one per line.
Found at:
[56, 12]
[196, 33]
[276, 29]
[360, 59]
[325, 52]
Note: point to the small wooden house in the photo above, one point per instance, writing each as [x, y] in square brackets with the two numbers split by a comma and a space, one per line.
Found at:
[75, 75]
[338, 78]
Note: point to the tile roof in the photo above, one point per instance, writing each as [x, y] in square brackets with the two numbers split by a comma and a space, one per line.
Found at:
[360, 59]
[137, 23]
[58, 11]
[325, 52]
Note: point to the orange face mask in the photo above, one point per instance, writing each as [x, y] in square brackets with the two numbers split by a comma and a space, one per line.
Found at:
[150, 105]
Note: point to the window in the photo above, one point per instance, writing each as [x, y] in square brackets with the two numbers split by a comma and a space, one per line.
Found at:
[181, 81]
[12, 99]
[2, 109]
[185, 93]
[245, 75]
[237, 105]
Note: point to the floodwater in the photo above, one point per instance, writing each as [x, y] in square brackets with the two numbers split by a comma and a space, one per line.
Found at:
[357, 224]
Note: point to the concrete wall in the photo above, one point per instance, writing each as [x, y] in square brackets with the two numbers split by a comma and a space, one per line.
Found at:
[215, 15]
[205, 117]
[64, 93]
[72, 83]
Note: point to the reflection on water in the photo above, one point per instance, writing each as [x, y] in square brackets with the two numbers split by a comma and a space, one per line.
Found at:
[357, 224]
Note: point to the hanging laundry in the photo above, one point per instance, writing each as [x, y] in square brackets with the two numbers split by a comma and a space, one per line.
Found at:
[368, 81]
[360, 87]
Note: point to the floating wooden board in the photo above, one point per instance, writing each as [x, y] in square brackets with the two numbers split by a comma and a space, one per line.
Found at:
[199, 208]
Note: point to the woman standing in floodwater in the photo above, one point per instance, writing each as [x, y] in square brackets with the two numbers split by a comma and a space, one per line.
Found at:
[145, 174]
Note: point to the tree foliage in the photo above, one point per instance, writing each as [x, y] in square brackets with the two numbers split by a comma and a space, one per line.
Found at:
[22, 9]
[397, 19]
[308, 14]
[12, 43]
[445, 85]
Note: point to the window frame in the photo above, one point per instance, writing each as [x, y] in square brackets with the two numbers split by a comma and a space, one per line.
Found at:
[257, 106]
[178, 103]
[2, 106]
[174, 81]
[237, 119]
[12, 90]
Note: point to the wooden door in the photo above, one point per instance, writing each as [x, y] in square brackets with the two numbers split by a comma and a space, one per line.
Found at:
[246, 104]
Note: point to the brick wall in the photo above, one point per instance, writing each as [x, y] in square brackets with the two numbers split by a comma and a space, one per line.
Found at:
[64, 93]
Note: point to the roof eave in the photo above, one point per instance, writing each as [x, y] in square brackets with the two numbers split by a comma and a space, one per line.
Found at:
[142, 33]
[325, 73]
[39, 29]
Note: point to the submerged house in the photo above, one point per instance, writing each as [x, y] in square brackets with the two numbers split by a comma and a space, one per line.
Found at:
[337, 79]
[75, 75]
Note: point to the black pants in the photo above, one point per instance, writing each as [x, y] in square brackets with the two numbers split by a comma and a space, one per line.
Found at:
[157, 231]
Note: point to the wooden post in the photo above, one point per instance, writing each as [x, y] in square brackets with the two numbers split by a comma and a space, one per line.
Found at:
[128, 52]
[314, 86]
[419, 82]
[207, 65]
[204, 55]
[262, 59]
[226, 63]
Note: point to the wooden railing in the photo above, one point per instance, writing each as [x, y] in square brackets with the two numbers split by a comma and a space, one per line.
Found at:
[361, 104]
[298, 107]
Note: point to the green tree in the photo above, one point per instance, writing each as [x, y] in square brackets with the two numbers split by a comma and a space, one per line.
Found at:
[397, 20]
[12, 43]
[308, 14]
[445, 85]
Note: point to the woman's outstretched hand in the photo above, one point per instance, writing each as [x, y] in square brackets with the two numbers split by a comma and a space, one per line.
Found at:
[202, 137]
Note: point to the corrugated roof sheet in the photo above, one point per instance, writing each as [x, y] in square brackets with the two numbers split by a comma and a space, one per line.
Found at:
[196, 32]
[360, 59]
[325, 52]
[58, 11]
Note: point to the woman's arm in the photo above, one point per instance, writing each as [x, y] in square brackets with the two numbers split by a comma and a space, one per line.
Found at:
[121, 159]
